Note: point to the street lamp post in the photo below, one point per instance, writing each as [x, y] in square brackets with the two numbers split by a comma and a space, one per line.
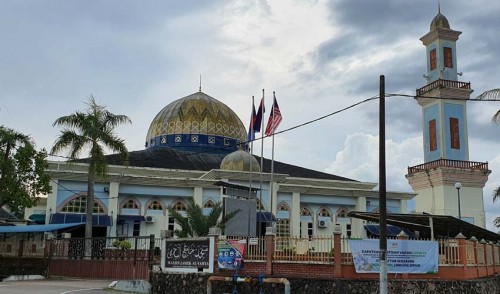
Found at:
[458, 185]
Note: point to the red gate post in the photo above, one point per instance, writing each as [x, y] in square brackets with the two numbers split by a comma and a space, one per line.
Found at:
[269, 250]
[337, 251]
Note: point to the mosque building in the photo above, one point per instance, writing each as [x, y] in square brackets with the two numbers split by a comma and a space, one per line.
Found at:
[192, 146]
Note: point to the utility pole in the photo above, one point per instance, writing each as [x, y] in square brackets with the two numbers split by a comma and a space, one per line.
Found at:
[382, 190]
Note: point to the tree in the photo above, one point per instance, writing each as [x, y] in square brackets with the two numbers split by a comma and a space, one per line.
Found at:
[197, 224]
[22, 171]
[91, 131]
[496, 195]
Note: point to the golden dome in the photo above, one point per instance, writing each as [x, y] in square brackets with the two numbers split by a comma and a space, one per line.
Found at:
[195, 121]
[239, 160]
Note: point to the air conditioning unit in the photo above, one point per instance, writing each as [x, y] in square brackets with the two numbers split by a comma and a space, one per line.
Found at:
[150, 219]
[48, 235]
[322, 223]
[66, 235]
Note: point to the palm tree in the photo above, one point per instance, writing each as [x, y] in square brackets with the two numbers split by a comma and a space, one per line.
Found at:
[92, 131]
[197, 224]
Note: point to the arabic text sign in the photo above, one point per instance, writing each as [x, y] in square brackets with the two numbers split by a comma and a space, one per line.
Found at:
[403, 256]
[187, 253]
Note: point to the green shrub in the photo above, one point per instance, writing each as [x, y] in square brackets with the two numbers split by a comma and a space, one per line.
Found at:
[124, 244]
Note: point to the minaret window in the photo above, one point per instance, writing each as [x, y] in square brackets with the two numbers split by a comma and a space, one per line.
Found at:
[433, 59]
[448, 57]
[432, 135]
[454, 133]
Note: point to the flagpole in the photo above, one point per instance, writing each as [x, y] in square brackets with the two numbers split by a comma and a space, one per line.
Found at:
[272, 161]
[252, 131]
[261, 159]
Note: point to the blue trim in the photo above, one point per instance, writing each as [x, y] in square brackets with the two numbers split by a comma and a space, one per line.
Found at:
[98, 220]
[37, 228]
[217, 144]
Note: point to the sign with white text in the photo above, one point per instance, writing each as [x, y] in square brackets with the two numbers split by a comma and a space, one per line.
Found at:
[403, 256]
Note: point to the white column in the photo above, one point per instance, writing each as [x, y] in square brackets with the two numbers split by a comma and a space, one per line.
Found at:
[51, 200]
[357, 224]
[113, 206]
[198, 195]
[295, 214]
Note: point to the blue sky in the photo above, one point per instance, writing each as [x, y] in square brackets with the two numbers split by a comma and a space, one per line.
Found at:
[319, 56]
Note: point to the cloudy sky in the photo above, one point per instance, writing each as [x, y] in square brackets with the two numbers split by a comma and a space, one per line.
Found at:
[319, 57]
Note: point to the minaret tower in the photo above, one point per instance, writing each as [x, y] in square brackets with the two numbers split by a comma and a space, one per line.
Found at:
[446, 147]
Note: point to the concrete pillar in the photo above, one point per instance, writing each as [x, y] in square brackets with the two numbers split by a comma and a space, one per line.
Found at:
[51, 201]
[198, 195]
[270, 240]
[295, 214]
[462, 252]
[337, 252]
[113, 206]
[357, 224]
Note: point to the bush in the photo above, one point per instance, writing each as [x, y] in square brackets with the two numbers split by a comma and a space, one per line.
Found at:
[124, 244]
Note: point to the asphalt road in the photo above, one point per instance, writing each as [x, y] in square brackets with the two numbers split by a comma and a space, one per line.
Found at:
[55, 286]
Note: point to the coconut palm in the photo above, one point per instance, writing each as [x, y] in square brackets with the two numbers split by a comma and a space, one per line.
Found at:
[91, 131]
[196, 223]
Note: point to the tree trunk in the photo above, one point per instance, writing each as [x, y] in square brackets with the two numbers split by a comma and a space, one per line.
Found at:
[88, 215]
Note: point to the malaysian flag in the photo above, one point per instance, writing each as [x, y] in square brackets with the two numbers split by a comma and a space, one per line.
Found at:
[251, 128]
[258, 118]
[274, 119]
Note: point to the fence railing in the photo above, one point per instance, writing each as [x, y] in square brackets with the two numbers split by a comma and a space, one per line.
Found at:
[442, 84]
[448, 163]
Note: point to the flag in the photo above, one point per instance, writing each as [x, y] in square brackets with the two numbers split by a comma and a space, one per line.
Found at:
[274, 119]
[251, 128]
[258, 118]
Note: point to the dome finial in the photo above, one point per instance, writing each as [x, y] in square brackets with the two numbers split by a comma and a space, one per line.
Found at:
[200, 85]
[439, 6]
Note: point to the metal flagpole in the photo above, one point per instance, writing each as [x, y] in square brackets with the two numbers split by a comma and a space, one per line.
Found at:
[261, 159]
[251, 159]
[272, 158]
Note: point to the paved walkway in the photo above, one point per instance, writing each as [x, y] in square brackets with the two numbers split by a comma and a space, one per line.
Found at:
[59, 286]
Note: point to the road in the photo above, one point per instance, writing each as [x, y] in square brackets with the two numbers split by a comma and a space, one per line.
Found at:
[57, 286]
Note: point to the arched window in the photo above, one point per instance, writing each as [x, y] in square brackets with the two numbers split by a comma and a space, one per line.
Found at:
[179, 206]
[155, 205]
[260, 206]
[304, 211]
[283, 223]
[306, 222]
[130, 204]
[342, 212]
[324, 212]
[209, 204]
[79, 205]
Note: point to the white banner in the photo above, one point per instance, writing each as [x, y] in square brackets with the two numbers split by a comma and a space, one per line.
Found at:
[403, 256]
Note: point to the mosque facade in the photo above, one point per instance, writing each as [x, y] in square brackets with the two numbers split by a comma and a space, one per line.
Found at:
[191, 145]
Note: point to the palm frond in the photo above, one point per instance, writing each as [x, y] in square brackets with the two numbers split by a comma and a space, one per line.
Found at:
[493, 94]
[496, 222]
[496, 194]
[496, 118]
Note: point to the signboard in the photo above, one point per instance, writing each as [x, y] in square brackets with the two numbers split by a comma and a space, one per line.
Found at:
[403, 256]
[231, 255]
[187, 253]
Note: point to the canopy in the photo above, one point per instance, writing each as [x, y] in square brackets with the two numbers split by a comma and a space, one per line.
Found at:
[265, 217]
[37, 228]
[98, 220]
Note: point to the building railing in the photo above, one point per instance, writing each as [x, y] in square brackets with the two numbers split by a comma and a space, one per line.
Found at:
[442, 84]
[448, 163]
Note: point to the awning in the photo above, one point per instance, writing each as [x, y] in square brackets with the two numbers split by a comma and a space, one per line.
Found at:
[265, 217]
[37, 228]
[430, 226]
[392, 231]
[98, 220]
[126, 217]
[38, 218]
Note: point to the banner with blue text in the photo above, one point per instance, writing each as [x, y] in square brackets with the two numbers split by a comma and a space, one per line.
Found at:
[403, 256]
